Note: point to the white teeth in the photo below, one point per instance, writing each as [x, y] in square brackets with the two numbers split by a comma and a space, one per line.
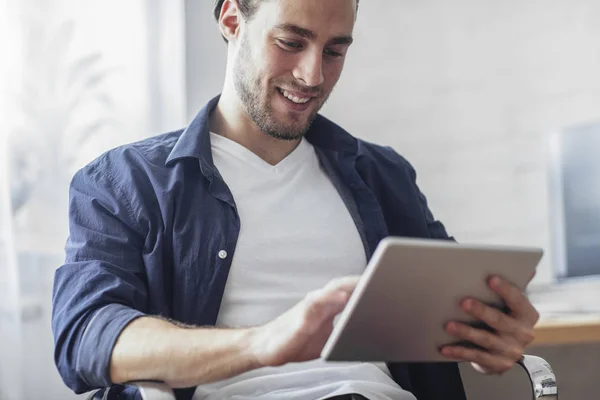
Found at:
[295, 99]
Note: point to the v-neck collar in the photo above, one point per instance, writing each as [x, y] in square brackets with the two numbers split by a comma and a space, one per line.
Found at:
[296, 157]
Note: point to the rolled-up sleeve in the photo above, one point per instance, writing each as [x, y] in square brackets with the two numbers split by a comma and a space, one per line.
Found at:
[102, 286]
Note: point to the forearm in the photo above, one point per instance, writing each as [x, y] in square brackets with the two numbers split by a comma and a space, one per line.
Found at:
[154, 349]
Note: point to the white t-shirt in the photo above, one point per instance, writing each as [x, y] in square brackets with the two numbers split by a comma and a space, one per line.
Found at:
[296, 235]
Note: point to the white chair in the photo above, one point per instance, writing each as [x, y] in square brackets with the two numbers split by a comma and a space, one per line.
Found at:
[539, 373]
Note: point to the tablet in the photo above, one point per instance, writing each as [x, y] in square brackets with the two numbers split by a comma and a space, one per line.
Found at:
[412, 288]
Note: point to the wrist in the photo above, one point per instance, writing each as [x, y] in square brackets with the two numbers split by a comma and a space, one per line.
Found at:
[254, 341]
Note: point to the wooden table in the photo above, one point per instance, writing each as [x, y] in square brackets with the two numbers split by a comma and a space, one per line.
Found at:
[567, 331]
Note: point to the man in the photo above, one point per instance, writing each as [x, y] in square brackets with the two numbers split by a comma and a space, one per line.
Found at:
[217, 257]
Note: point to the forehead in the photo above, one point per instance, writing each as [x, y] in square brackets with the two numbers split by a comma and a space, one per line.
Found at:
[327, 18]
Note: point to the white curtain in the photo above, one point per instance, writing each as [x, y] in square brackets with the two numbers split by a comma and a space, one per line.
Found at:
[10, 316]
[77, 78]
[10, 320]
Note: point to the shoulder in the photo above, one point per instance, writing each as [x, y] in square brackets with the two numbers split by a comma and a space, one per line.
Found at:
[127, 161]
[371, 159]
[145, 153]
[382, 157]
[132, 176]
[387, 173]
[126, 181]
[367, 153]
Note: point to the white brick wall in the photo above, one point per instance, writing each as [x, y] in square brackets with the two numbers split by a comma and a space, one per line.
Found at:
[467, 90]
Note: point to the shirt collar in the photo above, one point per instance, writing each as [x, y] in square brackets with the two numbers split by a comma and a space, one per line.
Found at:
[194, 142]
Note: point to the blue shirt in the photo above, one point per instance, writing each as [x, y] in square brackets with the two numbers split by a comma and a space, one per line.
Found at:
[148, 221]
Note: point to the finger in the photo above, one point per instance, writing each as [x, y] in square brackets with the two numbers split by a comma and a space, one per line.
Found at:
[345, 284]
[493, 343]
[518, 303]
[323, 305]
[499, 321]
[490, 362]
[493, 317]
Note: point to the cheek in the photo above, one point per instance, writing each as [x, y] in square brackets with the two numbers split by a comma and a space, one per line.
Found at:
[261, 63]
[331, 73]
[279, 67]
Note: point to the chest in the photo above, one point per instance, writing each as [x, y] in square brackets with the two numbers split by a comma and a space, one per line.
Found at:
[219, 234]
[296, 235]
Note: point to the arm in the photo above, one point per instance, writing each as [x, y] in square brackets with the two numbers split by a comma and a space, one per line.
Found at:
[394, 181]
[436, 228]
[411, 208]
[153, 349]
[102, 333]
[101, 287]
[513, 331]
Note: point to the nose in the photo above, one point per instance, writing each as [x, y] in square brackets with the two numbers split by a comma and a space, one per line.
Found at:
[309, 69]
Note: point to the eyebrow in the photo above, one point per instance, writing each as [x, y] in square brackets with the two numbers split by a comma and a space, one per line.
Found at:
[308, 34]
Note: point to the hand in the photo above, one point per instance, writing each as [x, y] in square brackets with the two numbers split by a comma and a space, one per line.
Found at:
[514, 331]
[301, 332]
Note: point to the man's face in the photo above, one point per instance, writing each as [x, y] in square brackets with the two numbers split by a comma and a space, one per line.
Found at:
[289, 56]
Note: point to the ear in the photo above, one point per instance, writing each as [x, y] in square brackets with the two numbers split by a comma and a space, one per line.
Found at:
[230, 19]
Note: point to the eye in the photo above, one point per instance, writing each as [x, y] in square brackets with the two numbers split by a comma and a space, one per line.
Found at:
[333, 53]
[290, 45]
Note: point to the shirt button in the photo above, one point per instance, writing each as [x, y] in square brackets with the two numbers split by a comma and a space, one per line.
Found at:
[222, 254]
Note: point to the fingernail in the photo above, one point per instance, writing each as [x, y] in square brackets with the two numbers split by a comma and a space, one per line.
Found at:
[468, 305]
[495, 282]
[451, 327]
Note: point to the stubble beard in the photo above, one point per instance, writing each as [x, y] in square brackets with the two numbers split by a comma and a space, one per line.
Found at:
[247, 82]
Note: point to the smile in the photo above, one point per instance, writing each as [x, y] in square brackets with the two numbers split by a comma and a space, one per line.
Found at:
[293, 98]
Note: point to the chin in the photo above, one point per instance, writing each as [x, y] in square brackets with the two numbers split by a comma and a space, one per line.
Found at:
[285, 130]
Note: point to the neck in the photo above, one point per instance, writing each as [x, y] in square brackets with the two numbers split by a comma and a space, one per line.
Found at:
[230, 120]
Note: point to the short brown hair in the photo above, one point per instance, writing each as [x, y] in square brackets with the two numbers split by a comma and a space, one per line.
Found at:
[247, 7]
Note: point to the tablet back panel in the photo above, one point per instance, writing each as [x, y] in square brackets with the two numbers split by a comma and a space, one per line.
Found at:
[411, 289]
